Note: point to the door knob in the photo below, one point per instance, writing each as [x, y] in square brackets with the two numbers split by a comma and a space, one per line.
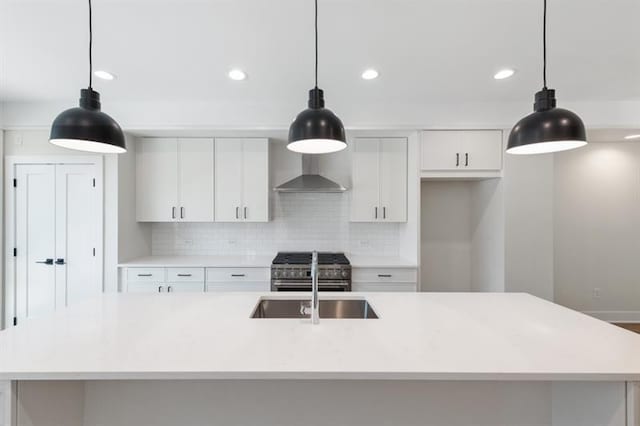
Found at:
[59, 261]
[46, 262]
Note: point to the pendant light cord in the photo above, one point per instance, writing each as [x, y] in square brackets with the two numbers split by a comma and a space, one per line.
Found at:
[316, 27]
[90, 48]
[544, 45]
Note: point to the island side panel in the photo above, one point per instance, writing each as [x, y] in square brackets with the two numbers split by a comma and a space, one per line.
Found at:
[590, 404]
[48, 403]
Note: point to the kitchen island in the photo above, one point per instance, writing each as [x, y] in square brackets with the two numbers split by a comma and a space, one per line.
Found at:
[445, 358]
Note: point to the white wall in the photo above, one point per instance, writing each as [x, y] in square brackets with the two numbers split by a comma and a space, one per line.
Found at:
[487, 235]
[528, 185]
[597, 229]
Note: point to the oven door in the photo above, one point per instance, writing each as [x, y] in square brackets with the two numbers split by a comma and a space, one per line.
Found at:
[280, 285]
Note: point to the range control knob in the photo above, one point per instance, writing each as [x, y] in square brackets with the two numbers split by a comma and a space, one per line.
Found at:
[344, 274]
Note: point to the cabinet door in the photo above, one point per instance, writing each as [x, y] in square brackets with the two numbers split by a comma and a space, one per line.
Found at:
[156, 180]
[365, 194]
[481, 149]
[228, 180]
[255, 182]
[393, 179]
[146, 287]
[440, 150]
[195, 168]
[185, 287]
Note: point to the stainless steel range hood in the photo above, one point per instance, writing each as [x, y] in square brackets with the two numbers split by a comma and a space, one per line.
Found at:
[310, 180]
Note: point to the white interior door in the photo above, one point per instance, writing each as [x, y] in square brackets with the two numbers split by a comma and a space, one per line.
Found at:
[228, 180]
[365, 194]
[195, 171]
[78, 227]
[156, 180]
[393, 179]
[255, 182]
[35, 240]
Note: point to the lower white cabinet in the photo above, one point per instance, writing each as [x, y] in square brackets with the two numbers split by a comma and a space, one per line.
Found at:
[384, 279]
[238, 279]
[195, 280]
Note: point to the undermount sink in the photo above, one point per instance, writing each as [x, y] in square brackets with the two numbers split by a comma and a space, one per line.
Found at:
[300, 308]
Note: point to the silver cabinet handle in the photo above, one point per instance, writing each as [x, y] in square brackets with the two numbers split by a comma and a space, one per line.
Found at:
[184, 275]
[173, 212]
[145, 275]
[46, 262]
[181, 212]
[457, 159]
[466, 159]
[245, 212]
[384, 212]
[237, 275]
[237, 212]
[384, 275]
[159, 289]
[376, 212]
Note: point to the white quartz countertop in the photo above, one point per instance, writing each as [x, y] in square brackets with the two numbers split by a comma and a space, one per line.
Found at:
[260, 261]
[426, 336]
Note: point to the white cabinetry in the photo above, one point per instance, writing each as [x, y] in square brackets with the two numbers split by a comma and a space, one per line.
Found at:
[164, 280]
[174, 180]
[238, 279]
[242, 180]
[384, 279]
[461, 153]
[379, 191]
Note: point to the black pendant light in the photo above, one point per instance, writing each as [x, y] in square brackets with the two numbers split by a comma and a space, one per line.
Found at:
[547, 129]
[316, 130]
[86, 128]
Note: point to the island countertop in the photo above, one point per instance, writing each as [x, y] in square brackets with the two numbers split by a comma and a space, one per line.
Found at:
[424, 336]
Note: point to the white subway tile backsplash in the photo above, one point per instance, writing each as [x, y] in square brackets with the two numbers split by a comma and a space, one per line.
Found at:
[300, 221]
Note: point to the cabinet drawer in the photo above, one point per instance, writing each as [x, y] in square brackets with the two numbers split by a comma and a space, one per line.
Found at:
[229, 275]
[185, 274]
[390, 287]
[184, 287]
[146, 274]
[382, 275]
[240, 286]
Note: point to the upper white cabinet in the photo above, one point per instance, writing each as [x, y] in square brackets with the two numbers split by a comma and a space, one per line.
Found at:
[379, 192]
[461, 153]
[242, 180]
[174, 180]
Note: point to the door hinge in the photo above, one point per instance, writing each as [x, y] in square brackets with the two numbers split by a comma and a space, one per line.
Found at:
[15, 183]
[15, 252]
[15, 320]
[94, 182]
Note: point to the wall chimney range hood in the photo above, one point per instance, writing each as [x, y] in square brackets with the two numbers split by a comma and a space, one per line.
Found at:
[310, 180]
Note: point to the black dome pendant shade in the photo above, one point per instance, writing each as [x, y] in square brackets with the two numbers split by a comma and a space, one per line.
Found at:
[86, 128]
[547, 129]
[316, 130]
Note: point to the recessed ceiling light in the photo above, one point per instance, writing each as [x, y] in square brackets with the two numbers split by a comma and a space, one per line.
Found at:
[504, 73]
[632, 136]
[237, 74]
[370, 74]
[105, 75]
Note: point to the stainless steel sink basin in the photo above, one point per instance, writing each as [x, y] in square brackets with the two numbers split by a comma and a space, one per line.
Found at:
[300, 308]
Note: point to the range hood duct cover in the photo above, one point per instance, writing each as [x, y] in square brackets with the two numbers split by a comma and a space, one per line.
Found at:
[310, 180]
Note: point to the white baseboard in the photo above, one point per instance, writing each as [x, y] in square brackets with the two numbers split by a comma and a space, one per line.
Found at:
[616, 316]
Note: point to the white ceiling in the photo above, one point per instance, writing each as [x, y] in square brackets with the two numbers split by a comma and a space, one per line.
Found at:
[427, 51]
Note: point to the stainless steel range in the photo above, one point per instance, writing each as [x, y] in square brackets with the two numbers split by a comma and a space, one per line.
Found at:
[291, 271]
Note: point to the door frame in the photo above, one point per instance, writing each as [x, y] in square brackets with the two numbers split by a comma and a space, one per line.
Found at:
[10, 164]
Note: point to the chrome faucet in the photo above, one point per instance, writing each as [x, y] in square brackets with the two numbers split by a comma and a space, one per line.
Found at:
[315, 302]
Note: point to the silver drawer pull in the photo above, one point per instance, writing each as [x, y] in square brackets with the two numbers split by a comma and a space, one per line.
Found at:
[184, 275]
[145, 275]
[384, 275]
[237, 275]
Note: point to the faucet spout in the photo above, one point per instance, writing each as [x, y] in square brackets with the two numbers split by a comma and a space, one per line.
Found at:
[315, 302]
